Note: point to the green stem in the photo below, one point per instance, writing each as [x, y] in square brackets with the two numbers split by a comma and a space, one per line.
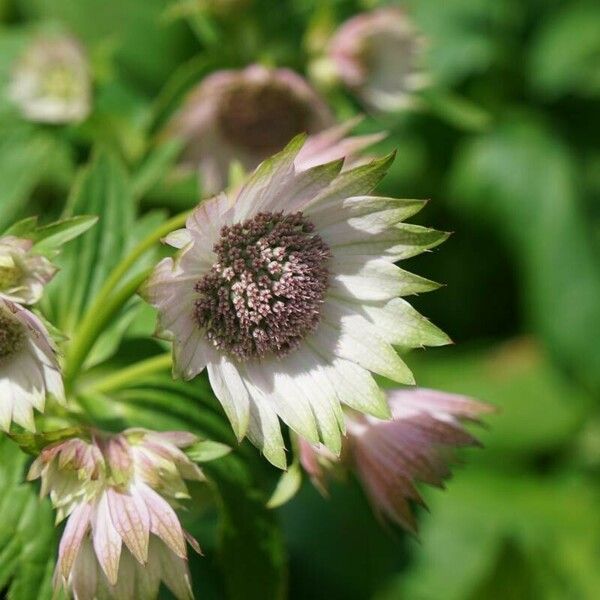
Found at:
[131, 374]
[108, 302]
[117, 274]
[92, 325]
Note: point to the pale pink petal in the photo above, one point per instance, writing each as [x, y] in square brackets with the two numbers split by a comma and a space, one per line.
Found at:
[132, 521]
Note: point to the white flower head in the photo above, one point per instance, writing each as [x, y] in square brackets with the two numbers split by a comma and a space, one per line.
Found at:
[29, 370]
[379, 55]
[51, 82]
[23, 274]
[390, 456]
[245, 116]
[122, 537]
[288, 294]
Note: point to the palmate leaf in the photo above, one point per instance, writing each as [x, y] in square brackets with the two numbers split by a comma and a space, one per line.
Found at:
[249, 541]
[28, 538]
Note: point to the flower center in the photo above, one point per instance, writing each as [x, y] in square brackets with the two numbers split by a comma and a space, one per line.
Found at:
[12, 334]
[264, 293]
[262, 118]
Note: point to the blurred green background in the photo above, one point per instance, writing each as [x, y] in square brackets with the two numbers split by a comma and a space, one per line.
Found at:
[508, 150]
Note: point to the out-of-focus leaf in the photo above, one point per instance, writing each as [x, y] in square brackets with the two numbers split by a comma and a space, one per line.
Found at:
[522, 179]
[102, 189]
[466, 36]
[24, 157]
[156, 166]
[252, 549]
[486, 514]
[539, 410]
[27, 534]
[565, 51]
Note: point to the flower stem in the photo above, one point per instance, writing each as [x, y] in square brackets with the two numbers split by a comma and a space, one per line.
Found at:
[131, 374]
[108, 302]
[92, 325]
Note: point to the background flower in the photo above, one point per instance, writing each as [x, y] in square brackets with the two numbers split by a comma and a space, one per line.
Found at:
[379, 55]
[245, 116]
[51, 82]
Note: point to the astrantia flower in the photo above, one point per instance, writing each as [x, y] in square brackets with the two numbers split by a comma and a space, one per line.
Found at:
[245, 116]
[122, 537]
[288, 293]
[379, 55]
[29, 370]
[23, 275]
[51, 82]
[390, 456]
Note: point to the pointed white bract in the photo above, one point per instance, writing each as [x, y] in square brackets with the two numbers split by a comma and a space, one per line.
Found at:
[23, 274]
[287, 293]
[51, 82]
[244, 116]
[379, 55]
[29, 369]
[123, 537]
[390, 456]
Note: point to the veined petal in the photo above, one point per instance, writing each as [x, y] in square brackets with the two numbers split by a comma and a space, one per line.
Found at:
[132, 521]
[70, 543]
[107, 541]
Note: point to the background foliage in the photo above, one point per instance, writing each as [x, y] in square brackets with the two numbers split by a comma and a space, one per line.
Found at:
[508, 151]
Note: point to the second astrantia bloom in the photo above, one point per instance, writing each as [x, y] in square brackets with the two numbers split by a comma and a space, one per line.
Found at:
[288, 294]
[29, 369]
[122, 537]
[245, 116]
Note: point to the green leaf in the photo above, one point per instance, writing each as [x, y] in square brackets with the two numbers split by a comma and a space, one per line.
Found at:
[287, 487]
[49, 238]
[207, 450]
[28, 541]
[102, 189]
[497, 535]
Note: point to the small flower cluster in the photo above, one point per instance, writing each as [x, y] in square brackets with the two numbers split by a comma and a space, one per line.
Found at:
[122, 536]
